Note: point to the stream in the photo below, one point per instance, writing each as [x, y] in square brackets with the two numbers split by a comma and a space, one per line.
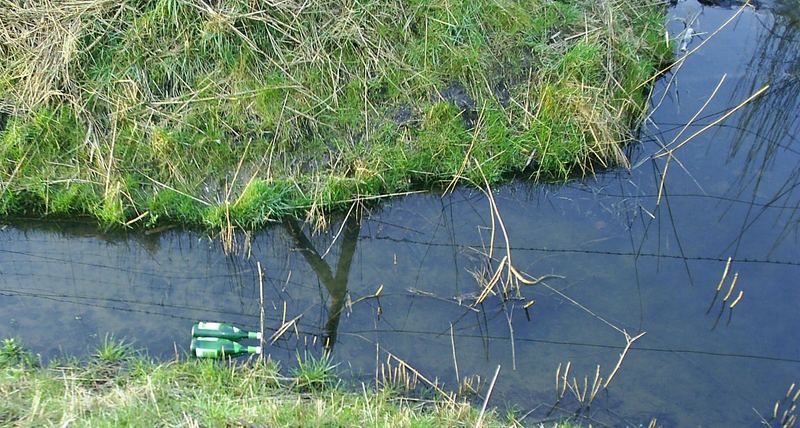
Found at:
[625, 252]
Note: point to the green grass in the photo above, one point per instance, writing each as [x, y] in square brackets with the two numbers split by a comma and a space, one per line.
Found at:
[313, 373]
[114, 351]
[140, 393]
[13, 354]
[217, 113]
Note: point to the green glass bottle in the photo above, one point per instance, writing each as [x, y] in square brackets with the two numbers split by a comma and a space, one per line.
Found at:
[223, 331]
[214, 347]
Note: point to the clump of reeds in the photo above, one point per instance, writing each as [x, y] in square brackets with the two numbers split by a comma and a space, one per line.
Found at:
[728, 301]
[784, 412]
[584, 394]
[397, 376]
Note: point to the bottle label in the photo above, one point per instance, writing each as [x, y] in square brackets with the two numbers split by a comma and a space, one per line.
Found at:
[208, 325]
[200, 353]
[208, 339]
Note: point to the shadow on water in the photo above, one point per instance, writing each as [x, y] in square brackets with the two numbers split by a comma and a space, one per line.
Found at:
[630, 260]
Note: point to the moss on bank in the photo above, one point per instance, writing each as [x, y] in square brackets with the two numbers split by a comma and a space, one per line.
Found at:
[207, 113]
[116, 388]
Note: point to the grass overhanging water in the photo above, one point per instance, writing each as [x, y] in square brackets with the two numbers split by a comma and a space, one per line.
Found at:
[217, 113]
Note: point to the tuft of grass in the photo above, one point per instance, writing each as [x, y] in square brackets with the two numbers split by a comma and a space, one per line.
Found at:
[112, 351]
[13, 354]
[314, 373]
[226, 114]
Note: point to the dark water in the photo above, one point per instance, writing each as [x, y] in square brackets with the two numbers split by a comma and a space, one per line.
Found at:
[639, 263]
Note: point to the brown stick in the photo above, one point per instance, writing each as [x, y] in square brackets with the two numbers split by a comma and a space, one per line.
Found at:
[630, 341]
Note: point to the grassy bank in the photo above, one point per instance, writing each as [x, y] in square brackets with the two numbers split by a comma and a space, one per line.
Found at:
[118, 388]
[223, 111]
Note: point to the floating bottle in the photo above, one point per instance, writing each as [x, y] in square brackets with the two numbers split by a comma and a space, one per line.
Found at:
[222, 331]
[215, 347]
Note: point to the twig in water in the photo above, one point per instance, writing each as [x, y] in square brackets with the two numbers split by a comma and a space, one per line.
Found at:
[487, 289]
[511, 336]
[455, 360]
[670, 151]
[261, 305]
[561, 385]
[284, 328]
[685, 127]
[724, 275]
[565, 377]
[505, 263]
[534, 281]
[375, 295]
[424, 293]
[527, 306]
[596, 384]
[584, 308]
[730, 290]
[629, 341]
[486, 399]
[377, 360]
[558, 372]
[663, 180]
[339, 232]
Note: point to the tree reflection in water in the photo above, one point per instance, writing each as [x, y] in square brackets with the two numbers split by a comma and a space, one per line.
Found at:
[334, 281]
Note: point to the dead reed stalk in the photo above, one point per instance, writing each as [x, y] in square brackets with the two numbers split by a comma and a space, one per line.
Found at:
[486, 399]
[261, 306]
